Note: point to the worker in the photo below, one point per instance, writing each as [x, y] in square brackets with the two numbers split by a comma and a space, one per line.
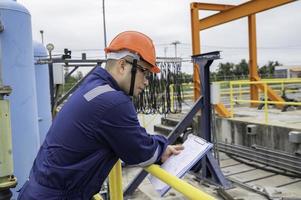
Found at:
[97, 126]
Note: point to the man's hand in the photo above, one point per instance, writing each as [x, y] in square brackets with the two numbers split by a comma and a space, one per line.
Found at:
[171, 150]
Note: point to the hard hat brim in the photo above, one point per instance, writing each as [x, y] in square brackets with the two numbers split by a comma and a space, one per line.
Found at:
[155, 69]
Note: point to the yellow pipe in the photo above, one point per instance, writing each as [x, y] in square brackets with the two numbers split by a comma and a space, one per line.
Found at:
[181, 186]
[248, 91]
[231, 99]
[240, 92]
[115, 182]
[171, 97]
[97, 197]
[270, 102]
[274, 81]
[267, 81]
[266, 103]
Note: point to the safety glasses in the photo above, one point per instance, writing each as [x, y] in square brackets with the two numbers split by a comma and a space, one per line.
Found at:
[146, 72]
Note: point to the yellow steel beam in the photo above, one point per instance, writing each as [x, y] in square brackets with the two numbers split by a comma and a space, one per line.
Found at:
[115, 182]
[186, 189]
[211, 6]
[222, 111]
[253, 58]
[271, 93]
[243, 10]
[196, 47]
[195, 31]
[195, 35]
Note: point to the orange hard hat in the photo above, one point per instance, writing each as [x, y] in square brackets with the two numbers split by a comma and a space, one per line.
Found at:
[135, 42]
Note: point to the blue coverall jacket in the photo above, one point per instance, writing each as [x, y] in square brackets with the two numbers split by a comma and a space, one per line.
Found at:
[95, 127]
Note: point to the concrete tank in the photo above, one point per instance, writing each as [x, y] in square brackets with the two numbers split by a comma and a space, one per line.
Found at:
[18, 72]
[43, 91]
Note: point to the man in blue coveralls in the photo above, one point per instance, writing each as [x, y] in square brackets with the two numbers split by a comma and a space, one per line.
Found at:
[97, 126]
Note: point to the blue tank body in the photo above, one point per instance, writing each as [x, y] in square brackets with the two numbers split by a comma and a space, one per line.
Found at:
[18, 72]
[43, 91]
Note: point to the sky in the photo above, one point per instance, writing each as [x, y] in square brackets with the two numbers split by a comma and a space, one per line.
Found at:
[78, 26]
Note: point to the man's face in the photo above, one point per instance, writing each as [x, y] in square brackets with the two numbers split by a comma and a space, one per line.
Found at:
[142, 75]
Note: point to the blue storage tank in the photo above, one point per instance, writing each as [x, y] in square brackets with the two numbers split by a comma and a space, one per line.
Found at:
[43, 91]
[18, 72]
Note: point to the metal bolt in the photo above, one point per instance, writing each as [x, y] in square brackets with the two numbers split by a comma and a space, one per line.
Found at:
[1, 27]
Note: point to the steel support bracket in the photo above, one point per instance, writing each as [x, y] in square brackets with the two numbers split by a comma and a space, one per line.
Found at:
[209, 166]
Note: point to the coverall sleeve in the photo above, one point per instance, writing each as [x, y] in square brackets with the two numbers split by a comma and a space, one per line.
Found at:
[129, 141]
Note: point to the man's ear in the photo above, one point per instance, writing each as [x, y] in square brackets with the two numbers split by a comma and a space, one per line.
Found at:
[121, 65]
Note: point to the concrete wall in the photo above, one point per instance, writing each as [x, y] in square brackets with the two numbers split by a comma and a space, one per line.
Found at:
[272, 137]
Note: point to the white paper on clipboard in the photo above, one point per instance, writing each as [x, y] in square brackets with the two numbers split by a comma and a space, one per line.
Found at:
[194, 149]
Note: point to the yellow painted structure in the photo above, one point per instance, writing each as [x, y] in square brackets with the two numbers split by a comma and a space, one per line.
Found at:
[222, 111]
[265, 89]
[116, 192]
[97, 197]
[115, 182]
[181, 186]
[228, 13]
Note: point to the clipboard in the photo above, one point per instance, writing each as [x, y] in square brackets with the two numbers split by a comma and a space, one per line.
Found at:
[178, 165]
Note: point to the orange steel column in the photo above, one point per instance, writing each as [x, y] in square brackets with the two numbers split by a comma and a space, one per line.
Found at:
[253, 57]
[194, 14]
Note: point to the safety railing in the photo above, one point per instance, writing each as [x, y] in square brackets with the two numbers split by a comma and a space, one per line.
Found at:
[115, 179]
[181, 186]
[280, 82]
[278, 85]
[189, 191]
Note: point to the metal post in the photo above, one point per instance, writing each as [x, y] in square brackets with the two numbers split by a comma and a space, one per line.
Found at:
[104, 25]
[231, 99]
[196, 46]
[206, 112]
[115, 178]
[51, 84]
[175, 43]
[1, 81]
[209, 166]
[50, 48]
[266, 99]
[253, 58]
[42, 36]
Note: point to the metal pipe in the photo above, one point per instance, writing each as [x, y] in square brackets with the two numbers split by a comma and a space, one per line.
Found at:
[104, 25]
[1, 81]
[51, 84]
[115, 182]
[181, 186]
[266, 103]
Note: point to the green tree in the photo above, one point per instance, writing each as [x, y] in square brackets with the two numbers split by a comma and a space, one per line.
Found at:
[225, 71]
[72, 80]
[241, 69]
[268, 69]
